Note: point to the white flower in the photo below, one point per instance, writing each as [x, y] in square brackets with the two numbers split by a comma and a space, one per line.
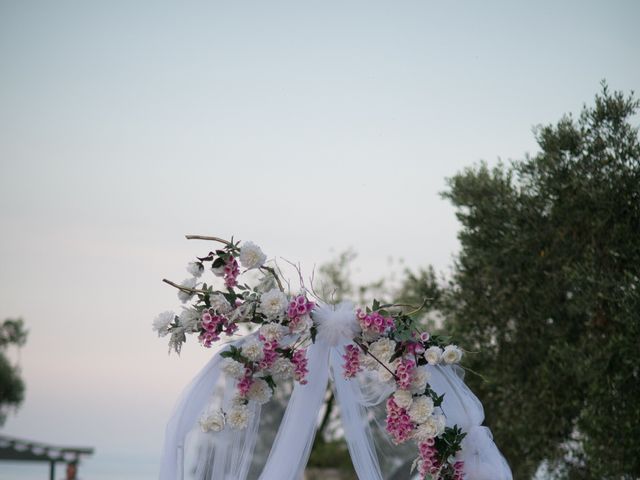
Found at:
[383, 374]
[304, 324]
[421, 409]
[238, 417]
[382, 350]
[219, 303]
[189, 318]
[273, 303]
[433, 355]
[253, 350]
[425, 431]
[195, 269]
[273, 331]
[212, 421]
[162, 322]
[184, 296]
[403, 398]
[282, 369]
[251, 256]
[452, 354]
[259, 391]
[233, 368]
[420, 379]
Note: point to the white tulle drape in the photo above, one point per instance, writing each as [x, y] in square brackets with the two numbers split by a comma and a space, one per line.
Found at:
[229, 455]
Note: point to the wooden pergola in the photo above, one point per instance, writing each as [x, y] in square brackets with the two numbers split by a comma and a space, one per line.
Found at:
[15, 449]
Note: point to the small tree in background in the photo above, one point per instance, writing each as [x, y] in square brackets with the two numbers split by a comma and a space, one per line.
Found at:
[547, 290]
[12, 333]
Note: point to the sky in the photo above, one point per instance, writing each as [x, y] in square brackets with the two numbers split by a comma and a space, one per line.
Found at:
[306, 127]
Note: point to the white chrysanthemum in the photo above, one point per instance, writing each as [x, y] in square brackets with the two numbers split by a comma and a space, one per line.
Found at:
[259, 391]
[433, 355]
[273, 304]
[161, 323]
[219, 303]
[233, 368]
[383, 374]
[421, 409]
[212, 421]
[253, 350]
[189, 283]
[403, 398]
[425, 431]
[189, 318]
[238, 417]
[273, 331]
[452, 354]
[419, 380]
[251, 256]
[382, 350]
[195, 269]
[282, 369]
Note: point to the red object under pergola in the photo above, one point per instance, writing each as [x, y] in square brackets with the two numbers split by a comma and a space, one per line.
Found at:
[16, 449]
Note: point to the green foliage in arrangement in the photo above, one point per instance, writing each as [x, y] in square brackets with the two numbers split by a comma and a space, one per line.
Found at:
[546, 290]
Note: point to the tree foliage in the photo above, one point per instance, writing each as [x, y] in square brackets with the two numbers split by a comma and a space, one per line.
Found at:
[547, 289]
[12, 333]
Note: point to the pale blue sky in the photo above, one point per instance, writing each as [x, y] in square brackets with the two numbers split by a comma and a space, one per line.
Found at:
[299, 125]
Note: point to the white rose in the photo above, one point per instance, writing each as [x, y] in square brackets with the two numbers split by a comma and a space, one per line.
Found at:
[273, 303]
[212, 421]
[419, 380]
[452, 354]
[403, 398]
[421, 409]
[195, 269]
[161, 323]
[273, 331]
[233, 368]
[251, 256]
[253, 350]
[282, 369]
[433, 355]
[219, 303]
[188, 283]
[259, 391]
[238, 417]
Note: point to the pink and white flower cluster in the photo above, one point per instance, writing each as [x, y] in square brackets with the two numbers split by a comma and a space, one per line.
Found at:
[392, 345]
[275, 352]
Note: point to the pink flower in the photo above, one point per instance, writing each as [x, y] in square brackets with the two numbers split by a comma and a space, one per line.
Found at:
[399, 423]
[245, 384]
[270, 354]
[404, 374]
[352, 361]
[231, 272]
[375, 322]
[299, 360]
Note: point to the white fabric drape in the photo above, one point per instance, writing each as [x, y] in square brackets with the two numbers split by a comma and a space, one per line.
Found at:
[227, 455]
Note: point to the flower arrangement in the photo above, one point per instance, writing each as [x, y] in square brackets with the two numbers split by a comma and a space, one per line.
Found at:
[392, 345]
[283, 321]
[388, 342]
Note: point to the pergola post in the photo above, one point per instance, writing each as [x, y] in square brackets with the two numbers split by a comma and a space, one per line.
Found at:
[52, 470]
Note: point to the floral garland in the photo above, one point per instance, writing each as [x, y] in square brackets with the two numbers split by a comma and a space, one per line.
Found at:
[390, 343]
